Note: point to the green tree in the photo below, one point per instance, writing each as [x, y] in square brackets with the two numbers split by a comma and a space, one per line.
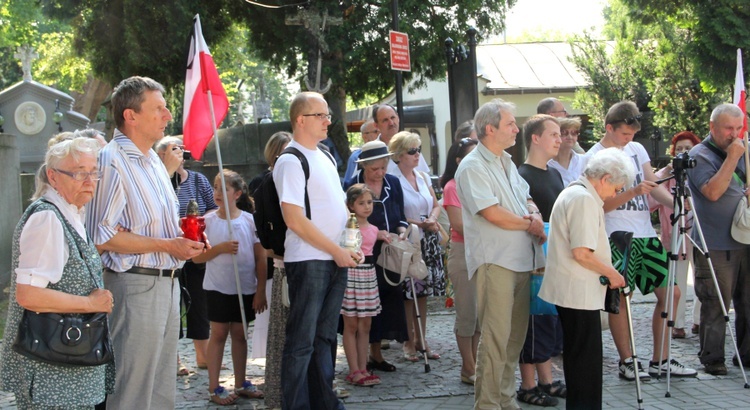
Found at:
[354, 45]
[648, 61]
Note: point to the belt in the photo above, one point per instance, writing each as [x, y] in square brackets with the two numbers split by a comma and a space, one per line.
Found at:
[171, 273]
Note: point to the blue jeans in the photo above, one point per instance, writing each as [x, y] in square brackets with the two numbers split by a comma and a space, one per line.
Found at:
[316, 291]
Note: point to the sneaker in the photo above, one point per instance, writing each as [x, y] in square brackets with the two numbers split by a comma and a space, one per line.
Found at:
[627, 371]
[675, 369]
[716, 369]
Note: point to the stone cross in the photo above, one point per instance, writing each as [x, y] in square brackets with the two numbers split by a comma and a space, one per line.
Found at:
[26, 54]
[315, 23]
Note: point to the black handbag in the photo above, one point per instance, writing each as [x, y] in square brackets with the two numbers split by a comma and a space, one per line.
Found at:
[612, 301]
[65, 339]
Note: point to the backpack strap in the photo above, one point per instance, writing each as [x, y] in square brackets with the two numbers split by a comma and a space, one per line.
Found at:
[306, 169]
[723, 155]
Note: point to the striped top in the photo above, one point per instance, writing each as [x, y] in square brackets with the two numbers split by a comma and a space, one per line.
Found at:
[204, 197]
[135, 193]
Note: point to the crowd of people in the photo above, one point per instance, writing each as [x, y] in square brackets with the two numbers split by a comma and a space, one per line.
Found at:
[112, 212]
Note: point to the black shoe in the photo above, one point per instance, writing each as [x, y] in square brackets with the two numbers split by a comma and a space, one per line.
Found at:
[716, 369]
[736, 362]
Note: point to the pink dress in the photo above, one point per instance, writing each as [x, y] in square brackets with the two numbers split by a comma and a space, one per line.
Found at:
[361, 298]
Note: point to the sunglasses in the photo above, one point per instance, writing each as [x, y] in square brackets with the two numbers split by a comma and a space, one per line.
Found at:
[570, 133]
[630, 120]
[414, 151]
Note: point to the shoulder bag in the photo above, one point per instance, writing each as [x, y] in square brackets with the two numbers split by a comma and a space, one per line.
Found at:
[403, 256]
[65, 339]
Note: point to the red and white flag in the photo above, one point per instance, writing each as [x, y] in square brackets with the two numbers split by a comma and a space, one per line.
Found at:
[739, 90]
[202, 77]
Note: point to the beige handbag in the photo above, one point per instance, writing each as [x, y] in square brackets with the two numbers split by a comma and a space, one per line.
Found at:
[403, 256]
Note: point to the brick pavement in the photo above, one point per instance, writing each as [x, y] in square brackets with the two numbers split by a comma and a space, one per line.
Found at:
[411, 388]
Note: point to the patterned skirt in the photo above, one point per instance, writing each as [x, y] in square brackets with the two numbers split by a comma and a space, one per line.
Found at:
[361, 298]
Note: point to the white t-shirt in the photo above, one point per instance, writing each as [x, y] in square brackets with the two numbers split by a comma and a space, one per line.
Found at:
[220, 270]
[416, 202]
[575, 168]
[632, 216]
[327, 200]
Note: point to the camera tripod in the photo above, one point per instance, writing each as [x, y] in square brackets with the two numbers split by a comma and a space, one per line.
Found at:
[679, 243]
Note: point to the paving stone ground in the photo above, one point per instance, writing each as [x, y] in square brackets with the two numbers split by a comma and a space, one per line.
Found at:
[411, 388]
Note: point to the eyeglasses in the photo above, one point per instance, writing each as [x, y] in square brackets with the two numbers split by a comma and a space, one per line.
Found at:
[414, 151]
[558, 112]
[371, 132]
[81, 176]
[320, 116]
[570, 133]
[630, 120]
[619, 191]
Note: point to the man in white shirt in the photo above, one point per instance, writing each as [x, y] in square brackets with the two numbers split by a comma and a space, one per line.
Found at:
[316, 266]
[134, 220]
[648, 268]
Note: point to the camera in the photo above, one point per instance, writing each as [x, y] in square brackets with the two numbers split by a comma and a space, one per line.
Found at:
[186, 155]
[682, 162]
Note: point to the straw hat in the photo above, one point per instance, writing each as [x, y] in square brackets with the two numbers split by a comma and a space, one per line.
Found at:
[373, 150]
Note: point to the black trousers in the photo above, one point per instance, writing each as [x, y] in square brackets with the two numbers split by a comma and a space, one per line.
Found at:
[582, 357]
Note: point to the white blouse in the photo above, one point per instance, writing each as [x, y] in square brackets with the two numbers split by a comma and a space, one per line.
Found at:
[43, 248]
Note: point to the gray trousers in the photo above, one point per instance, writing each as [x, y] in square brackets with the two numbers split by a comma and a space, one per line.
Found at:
[144, 325]
[733, 274]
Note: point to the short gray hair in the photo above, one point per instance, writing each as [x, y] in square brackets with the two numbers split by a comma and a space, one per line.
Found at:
[613, 162]
[163, 143]
[490, 114]
[57, 153]
[726, 109]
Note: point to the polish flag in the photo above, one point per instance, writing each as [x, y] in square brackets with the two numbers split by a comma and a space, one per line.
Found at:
[739, 90]
[202, 77]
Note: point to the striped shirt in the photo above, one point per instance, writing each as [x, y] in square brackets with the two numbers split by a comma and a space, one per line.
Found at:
[187, 191]
[135, 193]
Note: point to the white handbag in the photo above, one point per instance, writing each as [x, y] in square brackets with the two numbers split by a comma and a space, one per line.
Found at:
[403, 256]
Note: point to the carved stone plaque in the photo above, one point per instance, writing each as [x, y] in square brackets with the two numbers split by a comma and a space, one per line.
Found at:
[30, 118]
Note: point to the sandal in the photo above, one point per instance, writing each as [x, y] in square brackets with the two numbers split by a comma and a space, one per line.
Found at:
[365, 379]
[249, 391]
[555, 389]
[536, 397]
[468, 379]
[382, 366]
[183, 371]
[432, 355]
[411, 357]
[221, 396]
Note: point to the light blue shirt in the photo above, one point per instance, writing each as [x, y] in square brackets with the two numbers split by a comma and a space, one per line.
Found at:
[135, 193]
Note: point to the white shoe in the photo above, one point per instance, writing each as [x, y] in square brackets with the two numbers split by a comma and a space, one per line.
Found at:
[627, 371]
[675, 369]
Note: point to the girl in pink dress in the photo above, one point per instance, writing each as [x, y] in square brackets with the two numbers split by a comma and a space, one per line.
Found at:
[361, 298]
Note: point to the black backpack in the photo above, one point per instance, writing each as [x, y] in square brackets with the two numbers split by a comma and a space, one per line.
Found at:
[269, 221]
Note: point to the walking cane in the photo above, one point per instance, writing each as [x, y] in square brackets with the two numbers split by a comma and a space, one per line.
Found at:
[622, 240]
[419, 325]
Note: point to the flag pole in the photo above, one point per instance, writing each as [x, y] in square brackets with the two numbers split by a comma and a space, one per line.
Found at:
[226, 212]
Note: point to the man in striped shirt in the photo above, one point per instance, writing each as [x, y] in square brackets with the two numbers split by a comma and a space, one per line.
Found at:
[134, 222]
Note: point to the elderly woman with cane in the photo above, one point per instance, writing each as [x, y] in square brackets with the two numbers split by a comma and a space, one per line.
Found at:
[578, 255]
[56, 269]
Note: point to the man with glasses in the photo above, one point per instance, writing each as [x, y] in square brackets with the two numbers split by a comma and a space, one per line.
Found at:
[369, 133]
[316, 266]
[551, 106]
[648, 268]
[387, 121]
[503, 231]
[134, 221]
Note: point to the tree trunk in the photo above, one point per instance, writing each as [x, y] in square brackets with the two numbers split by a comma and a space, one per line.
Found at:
[95, 91]
[336, 98]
